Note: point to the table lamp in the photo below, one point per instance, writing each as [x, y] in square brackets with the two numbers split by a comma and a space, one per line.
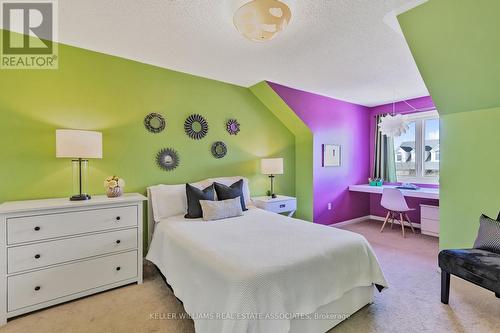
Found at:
[79, 146]
[271, 167]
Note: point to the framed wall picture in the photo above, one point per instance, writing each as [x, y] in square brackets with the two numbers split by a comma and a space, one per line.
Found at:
[331, 155]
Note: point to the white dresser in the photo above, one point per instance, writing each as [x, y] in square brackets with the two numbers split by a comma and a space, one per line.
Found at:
[280, 204]
[56, 250]
[429, 220]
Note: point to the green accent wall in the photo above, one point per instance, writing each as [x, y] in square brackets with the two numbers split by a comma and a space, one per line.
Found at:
[456, 45]
[95, 91]
[303, 147]
[470, 180]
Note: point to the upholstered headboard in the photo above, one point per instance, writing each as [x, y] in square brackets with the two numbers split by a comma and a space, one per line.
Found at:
[151, 221]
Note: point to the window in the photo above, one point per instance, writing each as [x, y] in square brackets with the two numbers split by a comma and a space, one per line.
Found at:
[417, 151]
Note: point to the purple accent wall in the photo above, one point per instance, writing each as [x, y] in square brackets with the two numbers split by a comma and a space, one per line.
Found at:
[353, 127]
[423, 104]
[335, 122]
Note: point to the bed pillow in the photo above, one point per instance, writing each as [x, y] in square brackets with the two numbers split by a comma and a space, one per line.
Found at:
[223, 209]
[231, 180]
[194, 195]
[167, 201]
[488, 236]
[170, 200]
[230, 192]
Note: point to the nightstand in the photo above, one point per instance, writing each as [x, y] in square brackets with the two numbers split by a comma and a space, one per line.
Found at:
[280, 204]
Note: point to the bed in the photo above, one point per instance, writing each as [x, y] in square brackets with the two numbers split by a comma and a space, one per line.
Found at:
[261, 272]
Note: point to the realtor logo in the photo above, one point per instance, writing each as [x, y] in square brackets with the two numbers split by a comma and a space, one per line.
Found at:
[28, 34]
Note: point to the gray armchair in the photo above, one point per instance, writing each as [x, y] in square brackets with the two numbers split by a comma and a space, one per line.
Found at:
[480, 265]
[474, 265]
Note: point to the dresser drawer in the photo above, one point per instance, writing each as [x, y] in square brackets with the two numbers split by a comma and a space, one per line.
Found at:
[281, 206]
[429, 212]
[52, 283]
[31, 256]
[429, 227]
[32, 228]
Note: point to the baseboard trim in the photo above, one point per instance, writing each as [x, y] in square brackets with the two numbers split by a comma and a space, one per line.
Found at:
[369, 217]
[352, 221]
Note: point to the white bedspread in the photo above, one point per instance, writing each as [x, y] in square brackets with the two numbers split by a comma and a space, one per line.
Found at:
[229, 272]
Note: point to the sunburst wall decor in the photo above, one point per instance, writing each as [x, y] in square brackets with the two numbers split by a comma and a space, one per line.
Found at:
[196, 126]
[232, 126]
[167, 159]
[154, 122]
[219, 149]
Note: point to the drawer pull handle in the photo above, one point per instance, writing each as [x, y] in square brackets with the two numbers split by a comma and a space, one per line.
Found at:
[118, 218]
[118, 241]
[37, 228]
[282, 205]
[37, 288]
[37, 256]
[118, 268]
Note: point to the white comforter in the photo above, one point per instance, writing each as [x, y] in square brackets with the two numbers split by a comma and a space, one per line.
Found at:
[260, 265]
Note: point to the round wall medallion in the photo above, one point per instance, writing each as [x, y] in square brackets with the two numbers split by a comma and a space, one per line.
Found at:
[196, 126]
[233, 126]
[219, 149]
[154, 122]
[167, 159]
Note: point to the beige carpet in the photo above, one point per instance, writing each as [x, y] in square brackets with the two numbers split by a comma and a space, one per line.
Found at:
[411, 304]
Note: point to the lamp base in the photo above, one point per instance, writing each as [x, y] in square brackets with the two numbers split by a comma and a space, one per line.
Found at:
[80, 197]
[273, 196]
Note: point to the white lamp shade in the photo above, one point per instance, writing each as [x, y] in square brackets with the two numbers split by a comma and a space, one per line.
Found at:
[271, 166]
[78, 144]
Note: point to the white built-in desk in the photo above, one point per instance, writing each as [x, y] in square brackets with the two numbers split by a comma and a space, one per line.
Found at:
[425, 193]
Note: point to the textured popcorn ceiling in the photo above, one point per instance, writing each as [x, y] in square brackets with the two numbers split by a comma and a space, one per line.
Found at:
[347, 49]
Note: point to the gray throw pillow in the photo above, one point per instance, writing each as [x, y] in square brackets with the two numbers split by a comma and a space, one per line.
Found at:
[230, 192]
[223, 209]
[488, 236]
[194, 195]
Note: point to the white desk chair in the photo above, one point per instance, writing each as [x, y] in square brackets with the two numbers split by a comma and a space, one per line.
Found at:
[394, 201]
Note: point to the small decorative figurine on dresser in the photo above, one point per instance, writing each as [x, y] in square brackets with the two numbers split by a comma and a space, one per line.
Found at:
[114, 186]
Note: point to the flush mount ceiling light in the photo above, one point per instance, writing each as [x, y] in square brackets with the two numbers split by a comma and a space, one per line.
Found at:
[262, 20]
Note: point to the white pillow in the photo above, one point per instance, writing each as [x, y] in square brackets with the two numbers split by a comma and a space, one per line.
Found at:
[170, 200]
[228, 181]
[218, 210]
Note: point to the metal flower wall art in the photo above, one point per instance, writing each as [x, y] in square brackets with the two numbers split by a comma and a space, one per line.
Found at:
[167, 159]
[219, 149]
[196, 126]
[154, 122]
[233, 126]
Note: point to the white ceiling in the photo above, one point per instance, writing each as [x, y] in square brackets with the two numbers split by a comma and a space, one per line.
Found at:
[347, 49]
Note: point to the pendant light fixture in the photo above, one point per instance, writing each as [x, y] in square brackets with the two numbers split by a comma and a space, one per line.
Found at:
[393, 125]
[262, 20]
